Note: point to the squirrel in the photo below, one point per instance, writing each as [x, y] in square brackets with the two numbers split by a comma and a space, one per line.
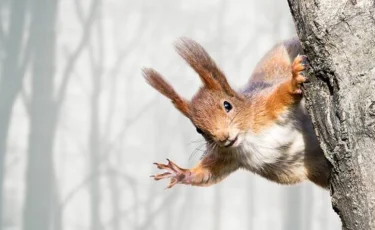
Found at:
[263, 128]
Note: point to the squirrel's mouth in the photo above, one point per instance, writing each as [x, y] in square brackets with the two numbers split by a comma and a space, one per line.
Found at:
[231, 142]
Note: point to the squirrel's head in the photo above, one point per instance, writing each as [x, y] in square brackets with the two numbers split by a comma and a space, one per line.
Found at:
[216, 110]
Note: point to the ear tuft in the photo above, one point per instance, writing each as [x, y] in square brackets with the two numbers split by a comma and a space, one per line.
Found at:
[155, 79]
[197, 57]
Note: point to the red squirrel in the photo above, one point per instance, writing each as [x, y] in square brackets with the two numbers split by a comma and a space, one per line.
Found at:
[263, 128]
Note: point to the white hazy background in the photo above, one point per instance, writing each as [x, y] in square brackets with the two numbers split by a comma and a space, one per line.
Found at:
[80, 128]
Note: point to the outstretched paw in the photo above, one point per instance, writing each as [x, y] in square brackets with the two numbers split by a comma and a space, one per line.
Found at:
[299, 65]
[178, 175]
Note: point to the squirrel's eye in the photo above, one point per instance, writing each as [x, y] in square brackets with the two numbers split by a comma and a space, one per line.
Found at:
[227, 106]
[199, 131]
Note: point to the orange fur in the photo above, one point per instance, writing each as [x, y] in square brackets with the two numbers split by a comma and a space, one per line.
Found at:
[287, 93]
[208, 171]
[157, 81]
[197, 57]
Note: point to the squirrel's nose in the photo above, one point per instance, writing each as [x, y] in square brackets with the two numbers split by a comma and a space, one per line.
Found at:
[223, 138]
[227, 140]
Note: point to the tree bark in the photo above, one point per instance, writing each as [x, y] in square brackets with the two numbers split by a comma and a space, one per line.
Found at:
[338, 36]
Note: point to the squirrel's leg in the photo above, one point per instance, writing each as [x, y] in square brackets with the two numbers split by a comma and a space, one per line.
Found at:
[208, 171]
[289, 92]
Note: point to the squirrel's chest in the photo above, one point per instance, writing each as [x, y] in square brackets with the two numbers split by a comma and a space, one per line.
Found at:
[279, 146]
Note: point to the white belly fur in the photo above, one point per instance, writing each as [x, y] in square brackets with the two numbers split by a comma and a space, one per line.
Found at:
[272, 144]
[286, 139]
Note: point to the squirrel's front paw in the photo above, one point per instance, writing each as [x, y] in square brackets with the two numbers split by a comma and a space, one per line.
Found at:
[299, 65]
[178, 175]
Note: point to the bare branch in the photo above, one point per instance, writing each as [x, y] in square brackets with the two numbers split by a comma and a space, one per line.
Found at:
[2, 35]
[2, 30]
[79, 11]
[148, 203]
[86, 181]
[151, 217]
[128, 123]
[77, 52]
[25, 60]
[76, 189]
[25, 100]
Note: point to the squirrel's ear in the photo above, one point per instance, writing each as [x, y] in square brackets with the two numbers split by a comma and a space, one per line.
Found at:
[156, 81]
[197, 57]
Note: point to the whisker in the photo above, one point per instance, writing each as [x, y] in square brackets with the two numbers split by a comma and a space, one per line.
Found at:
[196, 150]
[210, 148]
[197, 141]
[235, 116]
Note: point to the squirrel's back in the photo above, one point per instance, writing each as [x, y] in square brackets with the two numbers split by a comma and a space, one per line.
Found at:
[275, 65]
[287, 148]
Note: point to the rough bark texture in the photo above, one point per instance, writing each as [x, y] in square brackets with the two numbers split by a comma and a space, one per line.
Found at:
[338, 36]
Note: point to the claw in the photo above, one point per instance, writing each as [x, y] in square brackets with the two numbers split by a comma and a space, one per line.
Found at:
[172, 183]
[174, 172]
[162, 166]
[162, 176]
[304, 61]
[298, 64]
[298, 67]
[174, 167]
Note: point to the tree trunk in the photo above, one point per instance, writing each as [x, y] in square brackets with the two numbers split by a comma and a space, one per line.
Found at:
[309, 208]
[94, 147]
[95, 142]
[10, 81]
[293, 211]
[43, 112]
[338, 36]
[113, 181]
[115, 200]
